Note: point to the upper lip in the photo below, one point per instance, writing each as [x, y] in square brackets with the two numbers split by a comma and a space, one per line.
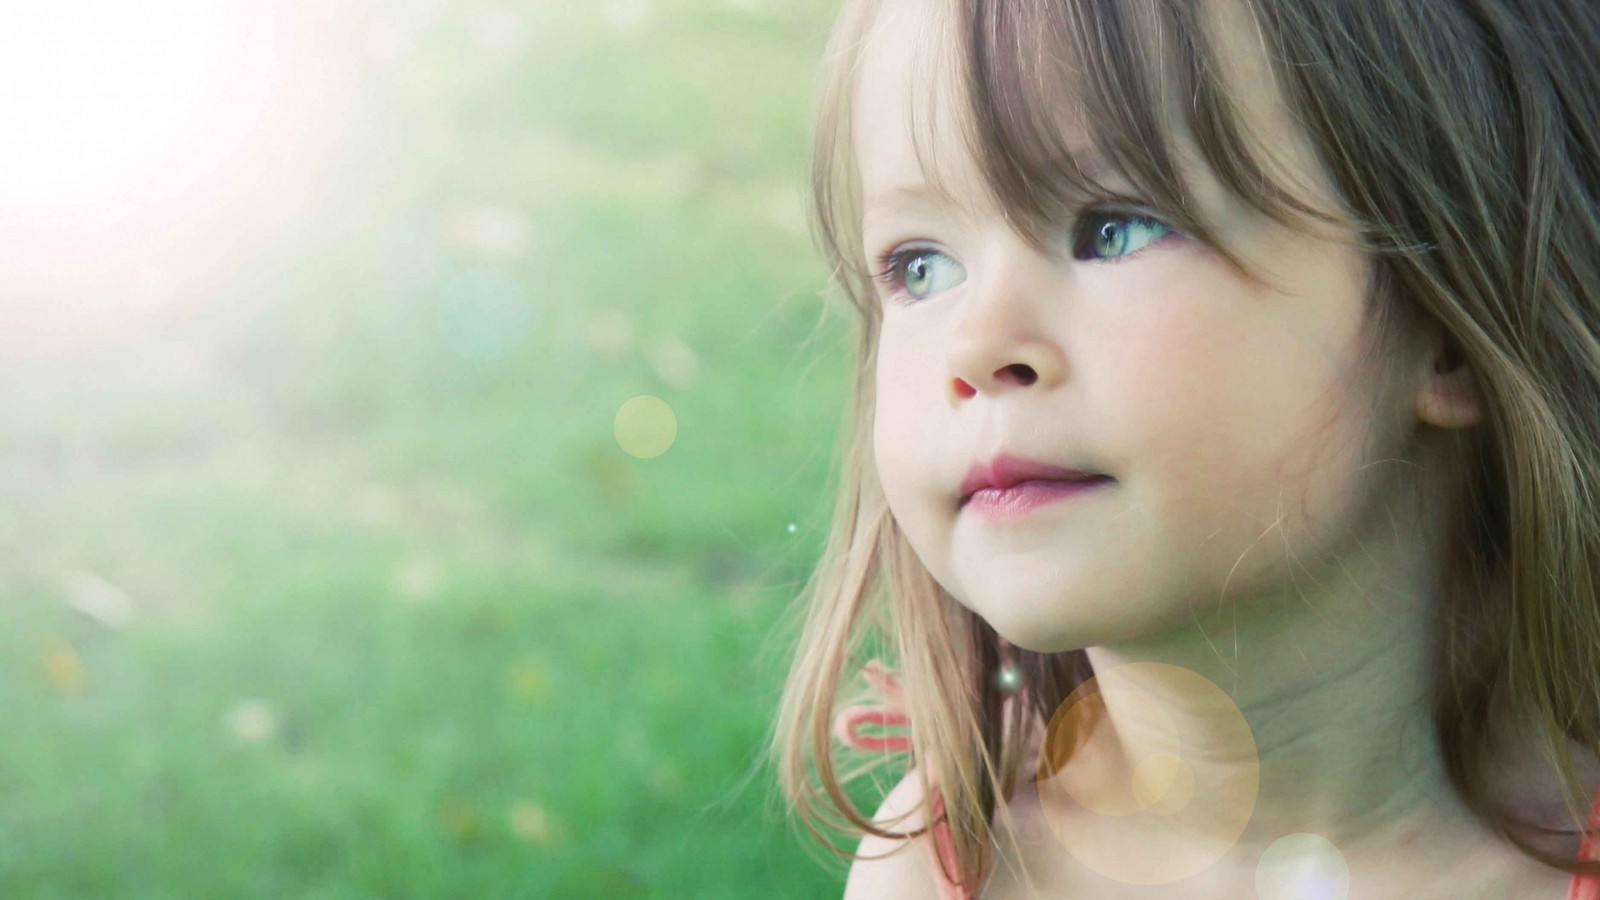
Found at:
[1006, 470]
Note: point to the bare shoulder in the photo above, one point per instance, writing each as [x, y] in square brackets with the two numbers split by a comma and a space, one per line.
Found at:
[895, 868]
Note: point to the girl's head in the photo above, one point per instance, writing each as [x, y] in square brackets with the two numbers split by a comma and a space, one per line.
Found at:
[1222, 381]
[1314, 281]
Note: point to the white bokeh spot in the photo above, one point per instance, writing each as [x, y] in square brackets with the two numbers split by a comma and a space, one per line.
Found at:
[1303, 866]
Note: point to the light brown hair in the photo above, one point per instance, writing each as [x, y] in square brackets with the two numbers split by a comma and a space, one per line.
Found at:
[1462, 138]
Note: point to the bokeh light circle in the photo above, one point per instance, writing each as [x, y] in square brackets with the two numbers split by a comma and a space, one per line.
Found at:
[1007, 679]
[1302, 866]
[645, 426]
[1147, 821]
[1163, 783]
[484, 314]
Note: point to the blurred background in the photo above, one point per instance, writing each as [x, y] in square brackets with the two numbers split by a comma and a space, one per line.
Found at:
[415, 419]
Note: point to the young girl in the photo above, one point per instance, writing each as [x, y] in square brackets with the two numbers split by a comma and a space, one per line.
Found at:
[1221, 476]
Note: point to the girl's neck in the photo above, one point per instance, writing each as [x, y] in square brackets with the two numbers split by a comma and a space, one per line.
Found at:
[1437, 850]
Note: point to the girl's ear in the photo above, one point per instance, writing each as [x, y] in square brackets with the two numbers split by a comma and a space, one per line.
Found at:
[1448, 396]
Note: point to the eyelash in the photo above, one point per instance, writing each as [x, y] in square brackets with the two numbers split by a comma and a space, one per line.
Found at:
[891, 264]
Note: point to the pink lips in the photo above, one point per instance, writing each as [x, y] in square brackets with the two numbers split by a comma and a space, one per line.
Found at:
[1012, 486]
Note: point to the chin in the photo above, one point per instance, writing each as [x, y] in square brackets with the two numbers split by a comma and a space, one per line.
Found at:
[1055, 623]
[1026, 629]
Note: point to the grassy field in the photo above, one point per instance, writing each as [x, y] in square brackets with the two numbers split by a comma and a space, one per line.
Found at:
[323, 571]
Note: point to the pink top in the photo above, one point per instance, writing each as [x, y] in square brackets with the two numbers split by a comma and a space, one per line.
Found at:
[851, 718]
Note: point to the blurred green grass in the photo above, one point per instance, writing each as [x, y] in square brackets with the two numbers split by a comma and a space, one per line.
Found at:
[329, 578]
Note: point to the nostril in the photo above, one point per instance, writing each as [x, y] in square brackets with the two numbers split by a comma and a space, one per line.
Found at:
[1023, 373]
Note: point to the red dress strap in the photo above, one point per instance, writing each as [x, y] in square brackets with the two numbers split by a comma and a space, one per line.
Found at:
[1587, 887]
[891, 712]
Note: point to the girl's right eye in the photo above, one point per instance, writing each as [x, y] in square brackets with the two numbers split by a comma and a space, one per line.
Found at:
[914, 272]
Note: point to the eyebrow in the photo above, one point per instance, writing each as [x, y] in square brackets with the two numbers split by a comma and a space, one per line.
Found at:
[1091, 165]
[909, 195]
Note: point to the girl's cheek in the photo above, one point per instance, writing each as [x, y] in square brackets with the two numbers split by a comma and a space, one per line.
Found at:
[1161, 367]
[1192, 408]
[911, 364]
[905, 385]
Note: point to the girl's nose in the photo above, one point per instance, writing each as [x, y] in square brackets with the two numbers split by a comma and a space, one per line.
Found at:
[1003, 340]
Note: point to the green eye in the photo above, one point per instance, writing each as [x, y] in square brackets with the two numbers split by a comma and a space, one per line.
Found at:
[1110, 236]
[919, 271]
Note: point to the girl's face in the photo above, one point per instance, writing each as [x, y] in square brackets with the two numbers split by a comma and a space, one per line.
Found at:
[1224, 409]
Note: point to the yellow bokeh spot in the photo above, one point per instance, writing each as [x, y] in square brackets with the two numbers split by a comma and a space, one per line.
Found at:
[64, 668]
[645, 426]
[530, 822]
[1150, 820]
[1163, 783]
[527, 681]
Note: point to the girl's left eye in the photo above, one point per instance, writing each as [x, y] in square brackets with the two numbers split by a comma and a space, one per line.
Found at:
[914, 271]
[1107, 235]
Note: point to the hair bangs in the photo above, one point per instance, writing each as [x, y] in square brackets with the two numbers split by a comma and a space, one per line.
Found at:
[1070, 103]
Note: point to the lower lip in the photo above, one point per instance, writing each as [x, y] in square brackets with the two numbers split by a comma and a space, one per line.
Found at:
[1023, 497]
